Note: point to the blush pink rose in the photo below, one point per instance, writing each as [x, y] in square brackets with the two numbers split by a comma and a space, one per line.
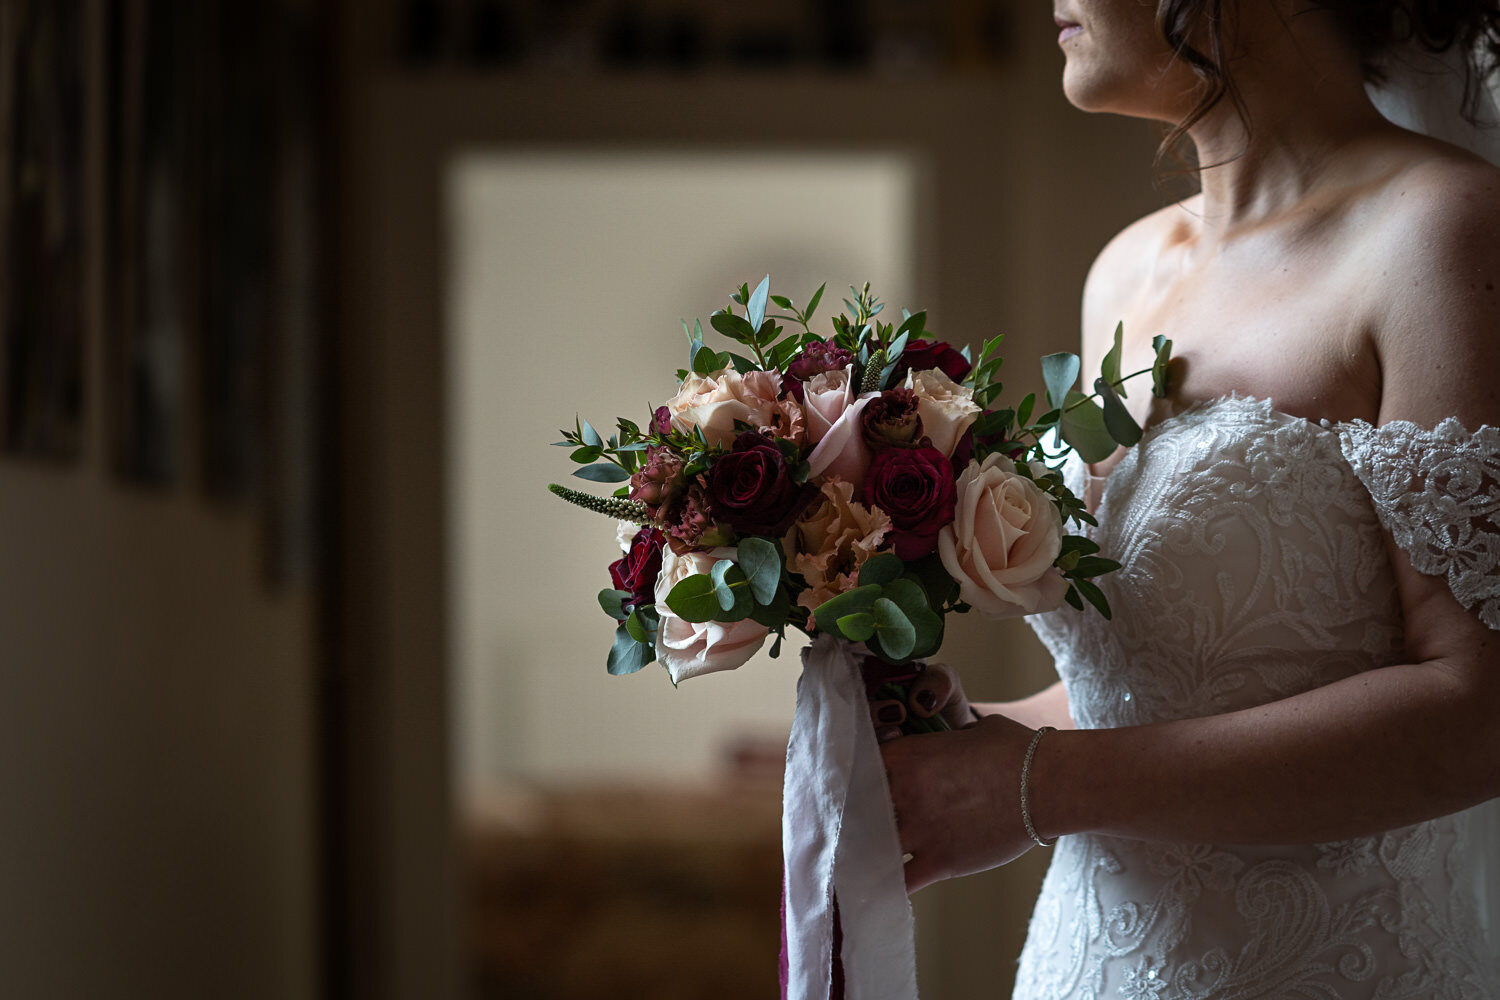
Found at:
[831, 541]
[825, 397]
[688, 649]
[833, 424]
[947, 409]
[714, 402]
[1003, 540]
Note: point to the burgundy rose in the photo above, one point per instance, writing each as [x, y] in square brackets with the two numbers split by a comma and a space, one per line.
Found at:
[815, 359]
[691, 525]
[921, 355]
[915, 487]
[751, 488]
[658, 481]
[891, 420]
[963, 452]
[638, 569]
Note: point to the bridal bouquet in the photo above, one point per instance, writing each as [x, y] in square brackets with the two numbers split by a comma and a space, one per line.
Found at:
[858, 486]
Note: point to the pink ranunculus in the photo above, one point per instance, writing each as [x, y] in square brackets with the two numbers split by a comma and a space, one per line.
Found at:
[688, 649]
[947, 409]
[1002, 543]
[832, 540]
[714, 402]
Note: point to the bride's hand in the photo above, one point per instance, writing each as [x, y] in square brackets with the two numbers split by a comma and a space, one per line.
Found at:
[937, 690]
[957, 799]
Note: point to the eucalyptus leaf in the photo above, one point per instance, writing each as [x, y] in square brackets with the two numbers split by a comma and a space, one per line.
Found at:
[627, 655]
[1117, 419]
[693, 599]
[1110, 369]
[586, 454]
[1082, 427]
[604, 472]
[612, 601]
[895, 633]
[847, 603]
[761, 562]
[742, 364]
[722, 590]
[880, 569]
[755, 312]
[774, 613]
[1059, 372]
[910, 597]
[694, 349]
[934, 579]
[637, 628]
[591, 437]
[857, 627]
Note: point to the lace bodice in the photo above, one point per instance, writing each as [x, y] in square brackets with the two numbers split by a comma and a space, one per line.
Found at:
[1254, 568]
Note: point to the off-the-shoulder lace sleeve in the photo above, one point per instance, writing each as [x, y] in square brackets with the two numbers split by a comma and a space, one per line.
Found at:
[1438, 493]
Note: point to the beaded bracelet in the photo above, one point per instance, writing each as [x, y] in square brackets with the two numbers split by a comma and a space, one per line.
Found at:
[1025, 780]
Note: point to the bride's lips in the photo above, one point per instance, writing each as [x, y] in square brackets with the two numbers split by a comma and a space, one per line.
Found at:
[1069, 28]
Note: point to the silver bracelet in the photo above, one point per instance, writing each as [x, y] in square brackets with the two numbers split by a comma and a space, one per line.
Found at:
[1026, 780]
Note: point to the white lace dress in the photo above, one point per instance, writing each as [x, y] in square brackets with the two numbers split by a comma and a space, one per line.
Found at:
[1254, 568]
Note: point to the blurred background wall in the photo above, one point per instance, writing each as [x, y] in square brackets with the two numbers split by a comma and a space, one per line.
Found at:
[302, 695]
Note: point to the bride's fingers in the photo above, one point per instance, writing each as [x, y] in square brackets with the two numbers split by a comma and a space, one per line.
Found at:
[887, 713]
[929, 693]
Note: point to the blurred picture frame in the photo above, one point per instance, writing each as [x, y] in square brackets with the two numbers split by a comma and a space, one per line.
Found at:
[43, 222]
[151, 227]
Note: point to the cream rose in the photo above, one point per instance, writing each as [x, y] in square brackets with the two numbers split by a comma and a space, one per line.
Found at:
[714, 402]
[688, 649]
[1003, 540]
[947, 409]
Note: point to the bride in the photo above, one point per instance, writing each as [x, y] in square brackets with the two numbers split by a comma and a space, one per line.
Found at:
[1259, 772]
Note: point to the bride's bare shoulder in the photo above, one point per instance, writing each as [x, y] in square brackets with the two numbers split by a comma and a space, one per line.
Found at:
[1434, 258]
[1128, 262]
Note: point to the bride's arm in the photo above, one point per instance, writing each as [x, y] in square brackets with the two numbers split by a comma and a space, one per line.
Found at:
[1369, 753]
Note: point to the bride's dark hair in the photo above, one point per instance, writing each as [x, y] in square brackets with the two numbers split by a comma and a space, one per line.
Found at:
[1373, 25]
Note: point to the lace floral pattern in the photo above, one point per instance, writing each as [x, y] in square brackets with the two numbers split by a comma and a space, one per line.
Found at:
[1438, 493]
[1253, 568]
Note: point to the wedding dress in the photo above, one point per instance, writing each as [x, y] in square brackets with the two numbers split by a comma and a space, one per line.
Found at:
[1254, 568]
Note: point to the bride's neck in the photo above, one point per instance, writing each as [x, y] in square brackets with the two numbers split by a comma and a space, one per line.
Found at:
[1304, 101]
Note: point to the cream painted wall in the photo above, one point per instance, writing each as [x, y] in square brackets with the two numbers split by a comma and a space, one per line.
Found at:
[156, 750]
[568, 276]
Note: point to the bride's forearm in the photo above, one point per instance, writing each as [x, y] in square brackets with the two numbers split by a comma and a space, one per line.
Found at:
[1369, 753]
[1048, 707]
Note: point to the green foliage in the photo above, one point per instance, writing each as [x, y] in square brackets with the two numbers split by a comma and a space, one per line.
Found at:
[1117, 420]
[760, 559]
[1059, 372]
[613, 601]
[628, 654]
[880, 569]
